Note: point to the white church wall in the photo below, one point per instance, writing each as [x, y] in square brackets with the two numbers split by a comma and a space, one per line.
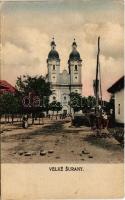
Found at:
[60, 82]
[53, 71]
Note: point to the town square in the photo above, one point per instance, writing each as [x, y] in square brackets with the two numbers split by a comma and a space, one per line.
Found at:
[62, 82]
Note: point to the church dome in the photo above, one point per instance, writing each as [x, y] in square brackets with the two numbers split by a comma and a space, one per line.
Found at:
[74, 55]
[53, 54]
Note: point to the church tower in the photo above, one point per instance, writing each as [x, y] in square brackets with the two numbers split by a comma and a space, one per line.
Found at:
[75, 66]
[53, 64]
[62, 84]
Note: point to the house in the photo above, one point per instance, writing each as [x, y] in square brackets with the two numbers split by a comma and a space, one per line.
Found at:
[117, 89]
[6, 87]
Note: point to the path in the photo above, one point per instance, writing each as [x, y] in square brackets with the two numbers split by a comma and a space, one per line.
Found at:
[66, 144]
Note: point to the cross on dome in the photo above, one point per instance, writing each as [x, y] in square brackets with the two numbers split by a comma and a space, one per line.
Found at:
[53, 44]
[74, 45]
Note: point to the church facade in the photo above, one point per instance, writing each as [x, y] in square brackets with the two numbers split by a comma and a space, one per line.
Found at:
[62, 84]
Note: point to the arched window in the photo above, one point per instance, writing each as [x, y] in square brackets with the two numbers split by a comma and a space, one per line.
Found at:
[119, 109]
[54, 98]
[53, 67]
[64, 97]
[76, 68]
[54, 79]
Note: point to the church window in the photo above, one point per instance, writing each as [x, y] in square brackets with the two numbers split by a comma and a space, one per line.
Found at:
[54, 79]
[54, 98]
[119, 109]
[76, 68]
[53, 67]
[75, 77]
[64, 97]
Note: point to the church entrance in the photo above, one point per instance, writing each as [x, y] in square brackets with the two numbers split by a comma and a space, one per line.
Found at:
[65, 112]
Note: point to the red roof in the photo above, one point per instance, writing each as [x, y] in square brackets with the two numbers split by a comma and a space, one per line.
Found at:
[6, 87]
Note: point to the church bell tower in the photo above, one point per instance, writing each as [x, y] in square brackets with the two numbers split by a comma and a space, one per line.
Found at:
[75, 69]
[53, 64]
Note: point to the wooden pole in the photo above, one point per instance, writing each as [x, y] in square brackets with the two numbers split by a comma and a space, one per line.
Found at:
[97, 90]
[97, 77]
[70, 87]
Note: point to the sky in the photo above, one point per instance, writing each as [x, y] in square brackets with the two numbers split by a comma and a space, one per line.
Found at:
[28, 27]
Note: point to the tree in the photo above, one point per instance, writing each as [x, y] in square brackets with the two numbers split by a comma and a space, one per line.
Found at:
[9, 104]
[46, 104]
[59, 107]
[84, 104]
[55, 106]
[36, 86]
[75, 101]
[91, 102]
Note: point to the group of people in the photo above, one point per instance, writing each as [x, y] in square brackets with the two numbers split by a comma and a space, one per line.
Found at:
[96, 121]
[58, 116]
[99, 121]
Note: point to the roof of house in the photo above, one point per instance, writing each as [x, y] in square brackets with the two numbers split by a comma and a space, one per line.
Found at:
[117, 86]
[7, 87]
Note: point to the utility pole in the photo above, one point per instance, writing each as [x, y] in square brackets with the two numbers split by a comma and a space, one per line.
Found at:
[70, 88]
[97, 79]
[97, 88]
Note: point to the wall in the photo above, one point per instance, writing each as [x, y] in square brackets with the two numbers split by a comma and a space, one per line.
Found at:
[119, 106]
[53, 73]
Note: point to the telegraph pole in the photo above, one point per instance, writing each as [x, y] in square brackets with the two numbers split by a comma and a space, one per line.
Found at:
[70, 88]
[97, 88]
[97, 78]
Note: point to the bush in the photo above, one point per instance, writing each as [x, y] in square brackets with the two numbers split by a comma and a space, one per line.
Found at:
[80, 120]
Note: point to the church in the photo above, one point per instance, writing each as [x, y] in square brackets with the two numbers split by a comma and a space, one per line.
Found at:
[62, 84]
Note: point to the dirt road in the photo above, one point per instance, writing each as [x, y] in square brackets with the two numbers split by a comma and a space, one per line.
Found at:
[56, 142]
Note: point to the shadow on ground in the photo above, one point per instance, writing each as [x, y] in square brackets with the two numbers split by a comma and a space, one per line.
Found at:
[105, 143]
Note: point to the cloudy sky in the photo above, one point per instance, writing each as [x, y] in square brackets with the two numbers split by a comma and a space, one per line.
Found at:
[28, 26]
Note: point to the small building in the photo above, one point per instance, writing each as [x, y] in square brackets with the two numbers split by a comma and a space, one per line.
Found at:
[6, 87]
[117, 89]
